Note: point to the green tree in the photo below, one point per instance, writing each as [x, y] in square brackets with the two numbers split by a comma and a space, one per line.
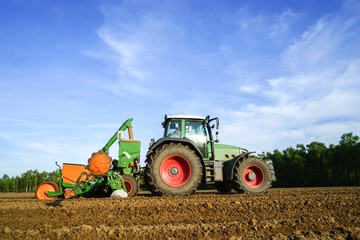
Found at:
[316, 164]
[348, 153]
[5, 183]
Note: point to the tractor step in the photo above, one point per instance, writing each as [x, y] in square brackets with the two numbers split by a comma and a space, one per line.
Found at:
[214, 171]
[210, 171]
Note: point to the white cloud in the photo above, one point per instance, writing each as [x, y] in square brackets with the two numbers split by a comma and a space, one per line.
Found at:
[249, 88]
[141, 48]
[315, 97]
[282, 23]
[300, 112]
[314, 49]
[128, 54]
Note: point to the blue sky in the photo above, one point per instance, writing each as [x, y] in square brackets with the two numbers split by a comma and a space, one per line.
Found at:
[276, 73]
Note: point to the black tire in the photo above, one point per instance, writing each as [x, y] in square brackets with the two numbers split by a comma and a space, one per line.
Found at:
[173, 169]
[252, 175]
[132, 187]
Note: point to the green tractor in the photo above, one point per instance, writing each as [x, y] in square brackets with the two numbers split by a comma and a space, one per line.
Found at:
[188, 157]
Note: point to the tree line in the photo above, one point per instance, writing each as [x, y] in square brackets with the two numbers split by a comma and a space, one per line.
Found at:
[315, 165]
[26, 182]
[311, 165]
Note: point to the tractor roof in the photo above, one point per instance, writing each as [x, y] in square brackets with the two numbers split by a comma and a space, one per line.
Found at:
[184, 117]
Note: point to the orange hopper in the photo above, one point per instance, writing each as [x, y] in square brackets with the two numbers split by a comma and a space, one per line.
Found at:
[99, 163]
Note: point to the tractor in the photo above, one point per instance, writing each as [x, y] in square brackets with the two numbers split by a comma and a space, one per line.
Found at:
[188, 157]
[185, 159]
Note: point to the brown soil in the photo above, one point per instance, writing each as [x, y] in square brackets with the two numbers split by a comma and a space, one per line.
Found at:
[303, 213]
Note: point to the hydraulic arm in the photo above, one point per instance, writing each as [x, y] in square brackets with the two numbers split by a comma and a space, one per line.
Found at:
[123, 127]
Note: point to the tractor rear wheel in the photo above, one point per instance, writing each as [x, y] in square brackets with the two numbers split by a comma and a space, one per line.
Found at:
[131, 185]
[173, 169]
[252, 175]
[44, 187]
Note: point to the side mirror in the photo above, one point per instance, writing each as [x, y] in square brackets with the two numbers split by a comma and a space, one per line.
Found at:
[217, 137]
[152, 141]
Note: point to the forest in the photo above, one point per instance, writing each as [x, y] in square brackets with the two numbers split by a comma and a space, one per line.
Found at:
[311, 165]
[315, 165]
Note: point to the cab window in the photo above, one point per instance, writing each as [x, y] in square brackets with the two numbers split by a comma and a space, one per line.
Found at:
[173, 128]
[196, 132]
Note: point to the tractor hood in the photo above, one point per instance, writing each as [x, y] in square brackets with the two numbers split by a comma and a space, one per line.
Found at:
[224, 152]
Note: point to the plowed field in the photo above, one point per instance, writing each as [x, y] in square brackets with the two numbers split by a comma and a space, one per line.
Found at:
[303, 213]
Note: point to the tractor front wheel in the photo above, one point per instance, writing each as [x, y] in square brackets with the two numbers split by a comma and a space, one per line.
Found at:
[45, 187]
[252, 175]
[173, 169]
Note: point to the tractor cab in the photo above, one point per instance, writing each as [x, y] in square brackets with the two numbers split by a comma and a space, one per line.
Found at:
[198, 129]
[194, 128]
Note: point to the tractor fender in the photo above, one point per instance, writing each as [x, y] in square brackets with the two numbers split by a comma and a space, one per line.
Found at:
[161, 141]
[228, 167]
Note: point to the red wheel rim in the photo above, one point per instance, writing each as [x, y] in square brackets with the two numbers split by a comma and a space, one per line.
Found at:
[175, 171]
[128, 186]
[253, 176]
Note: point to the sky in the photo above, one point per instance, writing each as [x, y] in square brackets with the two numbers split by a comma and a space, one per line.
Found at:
[276, 73]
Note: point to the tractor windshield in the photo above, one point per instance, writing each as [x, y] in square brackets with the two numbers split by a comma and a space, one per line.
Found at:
[190, 129]
[196, 132]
